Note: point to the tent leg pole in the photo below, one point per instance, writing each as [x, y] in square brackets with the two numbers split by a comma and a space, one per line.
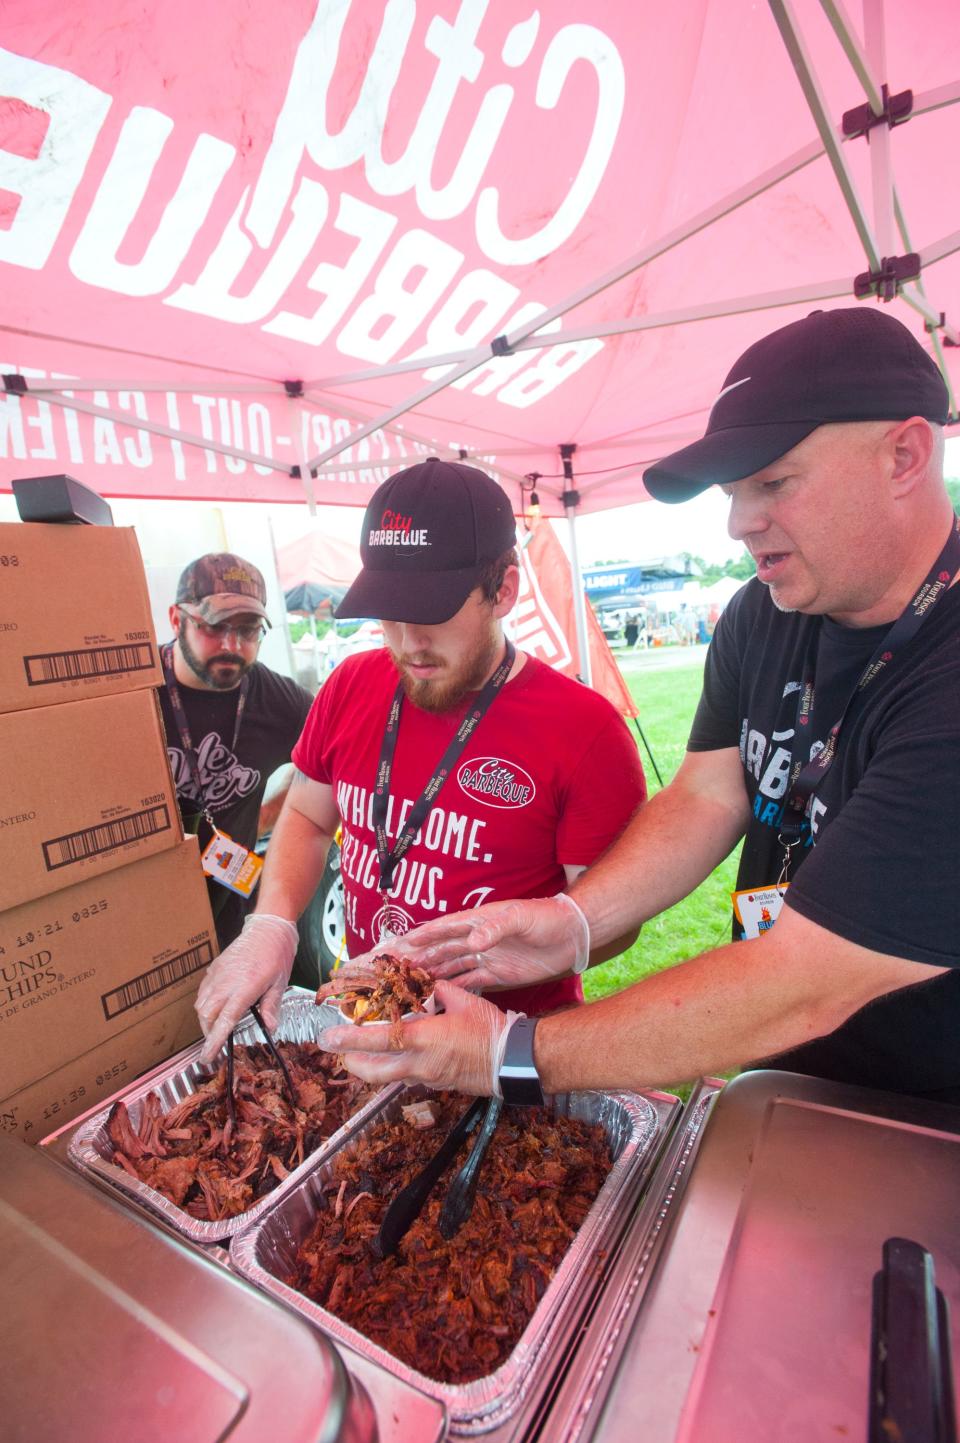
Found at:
[291, 659]
[571, 498]
[653, 760]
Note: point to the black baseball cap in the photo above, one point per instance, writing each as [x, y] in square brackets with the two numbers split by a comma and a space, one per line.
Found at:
[221, 585]
[857, 363]
[427, 533]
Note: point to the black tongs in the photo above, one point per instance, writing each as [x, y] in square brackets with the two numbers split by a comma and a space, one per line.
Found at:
[409, 1201]
[459, 1198]
[277, 1057]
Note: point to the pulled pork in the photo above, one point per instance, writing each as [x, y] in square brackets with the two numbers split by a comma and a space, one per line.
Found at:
[392, 989]
[197, 1159]
[453, 1310]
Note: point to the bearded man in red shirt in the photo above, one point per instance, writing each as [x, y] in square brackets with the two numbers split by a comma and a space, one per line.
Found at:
[460, 770]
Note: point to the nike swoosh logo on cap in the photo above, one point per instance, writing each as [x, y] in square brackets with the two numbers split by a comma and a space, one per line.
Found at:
[732, 387]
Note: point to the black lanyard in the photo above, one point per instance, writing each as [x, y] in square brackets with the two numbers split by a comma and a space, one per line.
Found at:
[183, 728]
[381, 794]
[805, 778]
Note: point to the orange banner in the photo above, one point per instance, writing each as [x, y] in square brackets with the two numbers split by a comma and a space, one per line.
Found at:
[545, 622]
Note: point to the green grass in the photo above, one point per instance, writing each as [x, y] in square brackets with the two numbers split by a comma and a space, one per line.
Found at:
[666, 687]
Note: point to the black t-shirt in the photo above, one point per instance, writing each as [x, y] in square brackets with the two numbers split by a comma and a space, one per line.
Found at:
[880, 867]
[233, 780]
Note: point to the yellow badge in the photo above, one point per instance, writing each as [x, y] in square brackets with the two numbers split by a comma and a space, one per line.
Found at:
[231, 864]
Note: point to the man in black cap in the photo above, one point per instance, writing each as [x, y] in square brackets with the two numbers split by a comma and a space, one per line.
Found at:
[230, 722]
[458, 768]
[827, 738]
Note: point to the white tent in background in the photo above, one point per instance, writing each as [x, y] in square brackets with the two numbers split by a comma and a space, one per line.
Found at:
[718, 593]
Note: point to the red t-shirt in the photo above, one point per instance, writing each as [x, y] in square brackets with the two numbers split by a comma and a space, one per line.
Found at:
[550, 776]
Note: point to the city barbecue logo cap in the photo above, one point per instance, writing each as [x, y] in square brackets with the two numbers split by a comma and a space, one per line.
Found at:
[852, 364]
[427, 533]
[221, 585]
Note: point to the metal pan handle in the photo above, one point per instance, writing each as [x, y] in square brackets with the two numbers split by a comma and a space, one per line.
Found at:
[911, 1374]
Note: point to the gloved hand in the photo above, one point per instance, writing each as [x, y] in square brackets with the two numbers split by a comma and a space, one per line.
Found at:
[460, 1048]
[505, 944]
[254, 968]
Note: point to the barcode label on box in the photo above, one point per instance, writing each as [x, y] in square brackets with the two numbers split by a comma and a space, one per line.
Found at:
[86, 665]
[157, 980]
[77, 846]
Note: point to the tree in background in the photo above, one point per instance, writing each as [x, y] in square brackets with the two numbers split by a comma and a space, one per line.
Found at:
[741, 568]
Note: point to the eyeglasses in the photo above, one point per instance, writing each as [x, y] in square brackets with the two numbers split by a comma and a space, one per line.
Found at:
[249, 632]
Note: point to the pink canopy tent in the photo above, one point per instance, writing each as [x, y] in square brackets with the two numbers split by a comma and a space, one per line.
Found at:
[272, 252]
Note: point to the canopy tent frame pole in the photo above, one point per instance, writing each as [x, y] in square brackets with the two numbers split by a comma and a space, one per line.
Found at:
[530, 337]
[291, 660]
[155, 428]
[934, 331]
[881, 174]
[306, 475]
[710, 310]
[180, 388]
[571, 499]
[707, 311]
[502, 345]
[869, 63]
[809, 84]
[881, 162]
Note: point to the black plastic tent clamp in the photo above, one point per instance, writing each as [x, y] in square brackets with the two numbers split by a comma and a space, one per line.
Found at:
[885, 283]
[861, 120]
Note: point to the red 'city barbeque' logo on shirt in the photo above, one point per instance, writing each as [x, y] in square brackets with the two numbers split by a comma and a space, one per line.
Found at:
[496, 783]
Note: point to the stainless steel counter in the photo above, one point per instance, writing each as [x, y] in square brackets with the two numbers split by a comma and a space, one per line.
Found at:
[736, 1303]
[750, 1320]
[112, 1332]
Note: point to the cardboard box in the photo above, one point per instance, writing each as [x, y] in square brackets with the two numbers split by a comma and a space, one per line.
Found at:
[74, 615]
[85, 788]
[97, 983]
[64, 1094]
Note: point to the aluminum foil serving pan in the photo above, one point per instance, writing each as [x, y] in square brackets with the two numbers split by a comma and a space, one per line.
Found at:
[266, 1253]
[91, 1148]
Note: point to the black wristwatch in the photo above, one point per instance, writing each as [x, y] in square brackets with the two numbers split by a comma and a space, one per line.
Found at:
[519, 1079]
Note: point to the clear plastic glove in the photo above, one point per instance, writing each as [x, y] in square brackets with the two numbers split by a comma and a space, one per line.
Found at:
[505, 944]
[460, 1048]
[255, 967]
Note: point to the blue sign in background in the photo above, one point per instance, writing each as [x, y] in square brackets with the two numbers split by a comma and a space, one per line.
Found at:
[603, 582]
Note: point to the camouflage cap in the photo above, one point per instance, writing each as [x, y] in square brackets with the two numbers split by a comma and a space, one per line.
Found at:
[221, 585]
